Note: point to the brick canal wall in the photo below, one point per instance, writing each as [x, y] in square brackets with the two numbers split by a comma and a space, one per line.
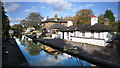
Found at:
[78, 51]
[12, 55]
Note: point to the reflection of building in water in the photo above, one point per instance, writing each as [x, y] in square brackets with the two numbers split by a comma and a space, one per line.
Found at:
[69, 56]
[23, 36]
[29, 39]
[55, 55]
[51, 51]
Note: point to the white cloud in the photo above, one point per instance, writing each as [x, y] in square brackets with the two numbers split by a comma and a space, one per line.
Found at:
[27, 10]
[60, 5]
[89, 5]
[116, 16]
[33, 9]
[74, 9]
[14, 20]
[81, 7]
[42, 7]
[12, 7]
[109, 8]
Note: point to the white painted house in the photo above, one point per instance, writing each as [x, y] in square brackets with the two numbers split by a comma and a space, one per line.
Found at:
[94, 33]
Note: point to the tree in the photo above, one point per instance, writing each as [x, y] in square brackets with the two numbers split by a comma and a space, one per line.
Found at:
[17, 26]
[101, 18]
[68, 18]
[109, 14]
[5, 23]
[83, 16]
[24, 23]
[34, 19]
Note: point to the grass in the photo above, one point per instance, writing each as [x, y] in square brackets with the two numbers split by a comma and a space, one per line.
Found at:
[93, 45]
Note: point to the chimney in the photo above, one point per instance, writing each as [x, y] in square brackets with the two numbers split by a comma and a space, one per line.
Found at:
[69, 23]
[106, 21]
[47, 17]
[94, 20]
[55, 17]
[61, 17]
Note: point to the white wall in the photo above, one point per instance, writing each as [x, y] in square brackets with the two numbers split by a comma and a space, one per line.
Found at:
[107, 36]
[95, 34]
[90, 41]
[56, 36]
[65, 36]
[101, 40]
[87, 34]
[77, 33]
[61, 34]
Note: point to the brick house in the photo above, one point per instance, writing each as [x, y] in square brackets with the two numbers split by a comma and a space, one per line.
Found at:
[51, 21]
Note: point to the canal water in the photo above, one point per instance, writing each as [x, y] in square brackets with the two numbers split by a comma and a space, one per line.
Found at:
[38, 54]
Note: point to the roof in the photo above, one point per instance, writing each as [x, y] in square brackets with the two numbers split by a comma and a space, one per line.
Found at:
[52, 20]
[57, 26]
[99, 27]
[87, 27]
[93, 16]
[82, 27]
[64, 29]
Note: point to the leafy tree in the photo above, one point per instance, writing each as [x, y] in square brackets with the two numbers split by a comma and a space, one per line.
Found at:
[34, 19]
[114, 27]
[5, 23]
[17, 26]
[101, 18]
[24, 23]
[109, 14]
[68, 18]
[83, 16]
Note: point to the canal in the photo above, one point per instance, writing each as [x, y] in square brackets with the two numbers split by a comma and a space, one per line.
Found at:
[38, 54]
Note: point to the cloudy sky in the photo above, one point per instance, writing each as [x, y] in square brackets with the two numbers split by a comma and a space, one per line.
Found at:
[17, 11]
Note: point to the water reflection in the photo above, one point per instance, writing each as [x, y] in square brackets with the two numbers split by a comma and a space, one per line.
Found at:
[31, 47]
[38, 54]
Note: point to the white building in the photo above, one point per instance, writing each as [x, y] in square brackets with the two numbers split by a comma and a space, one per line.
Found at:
[94, 33]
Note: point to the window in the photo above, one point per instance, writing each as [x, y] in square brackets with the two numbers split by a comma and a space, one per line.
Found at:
[98, 34]
[92, 35]
[83, 34]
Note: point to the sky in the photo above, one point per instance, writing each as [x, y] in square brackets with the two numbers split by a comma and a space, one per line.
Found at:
[17, 11]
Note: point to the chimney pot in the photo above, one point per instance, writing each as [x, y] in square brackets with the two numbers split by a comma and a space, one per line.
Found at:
[55, 17]
[47, 17]
[106, 21]
[61, 17]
